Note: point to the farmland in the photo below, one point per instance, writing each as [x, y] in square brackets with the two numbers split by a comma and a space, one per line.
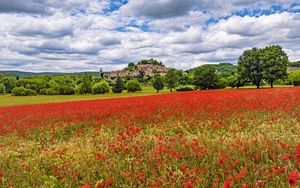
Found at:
[221, 138]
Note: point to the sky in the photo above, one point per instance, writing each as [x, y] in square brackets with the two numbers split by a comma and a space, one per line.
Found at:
[84, 35]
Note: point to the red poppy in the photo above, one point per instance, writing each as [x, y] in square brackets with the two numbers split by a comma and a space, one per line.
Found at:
[221, 161]
[140, 176]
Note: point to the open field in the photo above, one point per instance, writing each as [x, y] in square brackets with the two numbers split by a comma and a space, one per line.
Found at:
[223, 138]
[8, 100]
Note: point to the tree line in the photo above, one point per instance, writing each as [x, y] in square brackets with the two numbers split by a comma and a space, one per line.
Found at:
[256, 66]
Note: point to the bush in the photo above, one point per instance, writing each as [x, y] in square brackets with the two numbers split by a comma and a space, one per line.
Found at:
[21, 91]
[294, 77]
[2, 89]
[30, 92]
[50, 91]
[185, 89]
[9, 82]
[84, 88]
[119, 86]
[67, 90]
[158, 83]
[133, 86]
[101, 87]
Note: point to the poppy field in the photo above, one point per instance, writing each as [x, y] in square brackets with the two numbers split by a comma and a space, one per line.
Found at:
[220, 138]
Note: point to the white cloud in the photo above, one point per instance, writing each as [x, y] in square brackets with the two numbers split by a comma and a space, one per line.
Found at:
[76, 35]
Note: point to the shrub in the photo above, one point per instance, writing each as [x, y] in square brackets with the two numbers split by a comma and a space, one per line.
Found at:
[2, 89]
[185, 89]
[30, 92]
[294, 77]
[133, 86]
[67, 90]
[158, 83]
[50, 91]
[84, 88]
[9, 82]
[101, 87]
[119, 86]
[21, 91]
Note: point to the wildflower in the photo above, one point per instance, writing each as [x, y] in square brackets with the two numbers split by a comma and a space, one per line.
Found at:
[293, 177]
[227, 183]
[140, 176]
[221, 161]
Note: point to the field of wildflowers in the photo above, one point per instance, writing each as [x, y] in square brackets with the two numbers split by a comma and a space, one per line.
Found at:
[222, 138]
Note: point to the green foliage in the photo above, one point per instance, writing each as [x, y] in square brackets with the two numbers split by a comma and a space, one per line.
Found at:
[225, 69]
[294, 64]
[205, 77]
[186, 79]
[101, 87]
[185, 89]
[150, 61]
[158, 83]
[250, 67]
[50, 91]
[118, 86]
[84, 85]
[130, 66]
[294, 77]
[172, 78]
[275, 62]
[9, 82]
[68, 89]
[21, 91]
[140, 76]
[222, 83]
[2, 89]
[234, 81]
[269, 63]
[133, 86]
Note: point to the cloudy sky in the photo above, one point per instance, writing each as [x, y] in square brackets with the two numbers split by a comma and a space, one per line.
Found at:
[84, 35]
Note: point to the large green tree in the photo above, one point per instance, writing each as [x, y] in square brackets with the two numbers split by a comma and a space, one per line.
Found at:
[250, 67]
[9, 82]
[269, 64]
[158, 83]
[118, 86]
[172, 78]
[274, 62]
[205, 77]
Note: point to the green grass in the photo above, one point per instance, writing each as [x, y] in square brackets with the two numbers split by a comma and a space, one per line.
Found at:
[8, 100]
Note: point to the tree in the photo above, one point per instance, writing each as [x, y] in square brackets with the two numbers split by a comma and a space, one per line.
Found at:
[101, 87]
[68, 89]
[2, 89]
[171, 79]
[133, 86]
[119, 86]
[250, 66]
[158, 83]
[21, 91]
[234, 81]
[294, 77]
[185, 79]
[84, 85]
[205, 77]
[274, 62]
[9, 82]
